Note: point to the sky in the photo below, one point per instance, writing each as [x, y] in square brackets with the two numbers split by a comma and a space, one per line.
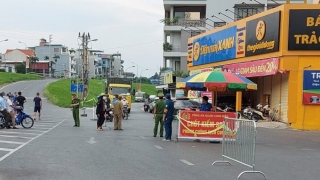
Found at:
[130, 27]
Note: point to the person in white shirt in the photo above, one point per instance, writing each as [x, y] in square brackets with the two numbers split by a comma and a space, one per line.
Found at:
[11, 107]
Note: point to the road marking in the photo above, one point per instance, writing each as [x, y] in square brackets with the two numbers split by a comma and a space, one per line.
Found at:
[25, 130]
[19, 137]
[186, 162]
[11, 142]
[142, 137]
[21, 146]
[91, 141]
[18, 132]
[36, 125]
[158, 147]
[5, 149]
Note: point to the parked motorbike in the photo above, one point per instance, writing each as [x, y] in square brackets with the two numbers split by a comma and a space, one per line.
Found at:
[247, 113]
[109, 115]
[252, 114]
[264, 109]
[227, 109]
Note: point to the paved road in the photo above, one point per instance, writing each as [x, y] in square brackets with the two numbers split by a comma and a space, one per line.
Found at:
[53, 149]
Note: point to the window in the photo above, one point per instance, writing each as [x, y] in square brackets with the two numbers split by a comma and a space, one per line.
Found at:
[219, 24]
[56, 50]
[64, 49]
[246, 12]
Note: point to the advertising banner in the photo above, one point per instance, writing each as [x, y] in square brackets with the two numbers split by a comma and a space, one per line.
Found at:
[241, 40]
[215, 47]
[167, 79]
[311, 87]
[202, 125]
[304, 29]
[206, 93]
[262, 35]
[262, 67]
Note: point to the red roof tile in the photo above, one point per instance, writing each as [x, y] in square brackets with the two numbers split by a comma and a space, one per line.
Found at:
[28, 52]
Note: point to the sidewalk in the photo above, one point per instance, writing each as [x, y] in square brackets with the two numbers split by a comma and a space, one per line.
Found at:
[272, 125]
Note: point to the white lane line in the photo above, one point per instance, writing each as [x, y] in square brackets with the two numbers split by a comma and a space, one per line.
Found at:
[21, 146]
[19, 137]
[186, 162]
[11, 142]
[5, 149]
[50, 122]
[25, 130]
[158, 147]
[35, 125]
[7, 132]
[40, 128]
[142, 137]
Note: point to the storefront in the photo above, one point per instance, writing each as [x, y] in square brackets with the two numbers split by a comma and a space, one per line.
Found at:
[279, 50]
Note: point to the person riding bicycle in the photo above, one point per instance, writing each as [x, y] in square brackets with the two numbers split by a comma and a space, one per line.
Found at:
[125, 105]
[4, 110]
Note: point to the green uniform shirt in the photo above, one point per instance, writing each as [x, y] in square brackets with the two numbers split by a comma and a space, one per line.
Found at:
[75, 101]
[160, 105]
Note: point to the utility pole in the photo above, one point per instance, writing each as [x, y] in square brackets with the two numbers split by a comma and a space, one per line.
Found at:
[85, 38]
[50, 40]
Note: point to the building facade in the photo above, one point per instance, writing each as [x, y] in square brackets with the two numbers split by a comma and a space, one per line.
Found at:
[58, 54]
[280, 58]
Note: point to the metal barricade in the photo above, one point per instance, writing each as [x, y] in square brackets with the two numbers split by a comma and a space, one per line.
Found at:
[239, 142]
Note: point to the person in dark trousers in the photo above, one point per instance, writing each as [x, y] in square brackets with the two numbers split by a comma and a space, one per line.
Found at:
[75, 105]
[205, 106]
[158, 114]
[108, 102]
[100, 112]
[21, 99]
[37, 106]
[168, 118]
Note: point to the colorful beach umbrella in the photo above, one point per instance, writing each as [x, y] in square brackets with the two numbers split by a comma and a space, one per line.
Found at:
[216, 81]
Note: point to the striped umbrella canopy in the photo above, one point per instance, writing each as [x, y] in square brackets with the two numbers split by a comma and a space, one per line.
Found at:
[216, 81]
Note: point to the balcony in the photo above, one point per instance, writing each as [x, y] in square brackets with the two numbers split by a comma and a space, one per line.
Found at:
[176, 25]
[73, 71]
[172, 51]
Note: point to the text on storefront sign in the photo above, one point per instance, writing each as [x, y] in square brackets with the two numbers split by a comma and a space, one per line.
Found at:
[221, 45]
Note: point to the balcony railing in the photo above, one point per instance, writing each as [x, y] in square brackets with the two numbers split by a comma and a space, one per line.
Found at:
[188, 23]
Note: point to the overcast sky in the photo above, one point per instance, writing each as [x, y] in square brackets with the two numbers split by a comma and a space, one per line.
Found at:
[129, 26]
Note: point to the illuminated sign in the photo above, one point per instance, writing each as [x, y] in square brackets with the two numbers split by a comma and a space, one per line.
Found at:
[215, 47]
[262, 35]
[304, 29]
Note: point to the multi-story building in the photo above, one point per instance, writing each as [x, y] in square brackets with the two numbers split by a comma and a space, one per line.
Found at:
[58, 54]
[112, 65]
[95, 66]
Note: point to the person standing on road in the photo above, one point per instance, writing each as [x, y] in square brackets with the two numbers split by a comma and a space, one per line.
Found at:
[118, 114]
[108, 102]
[4, 110]
[101, 108]
[21, 99]
[37, 105]
[168, 118]
[75, 105]
[158, 115]
[11, 107]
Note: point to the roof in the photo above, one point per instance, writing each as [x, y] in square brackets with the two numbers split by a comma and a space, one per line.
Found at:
[28, 52]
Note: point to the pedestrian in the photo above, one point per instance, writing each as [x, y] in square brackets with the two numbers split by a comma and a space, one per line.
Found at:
[118, 114]
[158, 114]
[115, 99]
[21, 99]
[108, 102]
[205, 106]
[37, 106]
[100, 110]
[11, 108]
[75, 105]
[168, 118]
[4, 110]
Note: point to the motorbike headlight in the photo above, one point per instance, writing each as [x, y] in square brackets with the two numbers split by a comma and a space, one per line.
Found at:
[111, 112]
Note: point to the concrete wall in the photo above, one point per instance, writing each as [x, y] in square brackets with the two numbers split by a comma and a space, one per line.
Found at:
[15, 55]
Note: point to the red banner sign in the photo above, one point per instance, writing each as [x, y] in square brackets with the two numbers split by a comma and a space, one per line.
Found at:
[262, 67]
[202, 125]
[206, 93]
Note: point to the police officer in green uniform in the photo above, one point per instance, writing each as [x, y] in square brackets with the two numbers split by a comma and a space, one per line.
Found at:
[75, 104]
[158, 114]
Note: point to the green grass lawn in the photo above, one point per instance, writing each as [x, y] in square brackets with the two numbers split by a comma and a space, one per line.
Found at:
[6, 77]
[149, 89]
[59, 92]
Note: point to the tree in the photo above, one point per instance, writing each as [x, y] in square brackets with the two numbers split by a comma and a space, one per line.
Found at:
[180, 73]
[20, 68]
[33, 60]
[167, 46]
[46, 58]
[55, 57]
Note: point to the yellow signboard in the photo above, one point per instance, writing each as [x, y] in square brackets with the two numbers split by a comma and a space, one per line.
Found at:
[168, 78]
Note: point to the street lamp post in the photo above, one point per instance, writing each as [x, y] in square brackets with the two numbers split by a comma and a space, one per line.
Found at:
[23, 43]
[140, 76]
[5, 61]
[128, 68]
[137, 69]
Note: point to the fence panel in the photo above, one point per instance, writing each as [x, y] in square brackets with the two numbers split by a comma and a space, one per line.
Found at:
[239, 143]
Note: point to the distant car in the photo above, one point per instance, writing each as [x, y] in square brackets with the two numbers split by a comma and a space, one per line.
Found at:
[152, 97]
[182, 104]
[152, 104]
